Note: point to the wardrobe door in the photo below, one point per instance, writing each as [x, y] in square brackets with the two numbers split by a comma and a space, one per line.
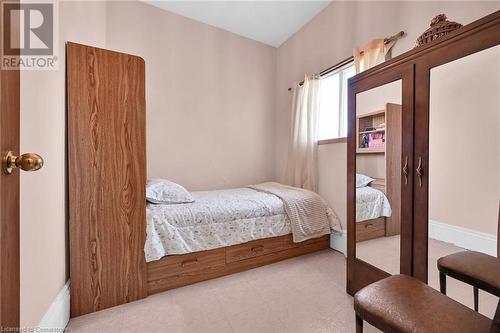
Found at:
[380, 142]
[463, 173]
[107, 177]
[457, 162]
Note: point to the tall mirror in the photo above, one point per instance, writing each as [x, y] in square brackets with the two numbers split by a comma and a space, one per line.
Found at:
[464, 174]
[378, 181]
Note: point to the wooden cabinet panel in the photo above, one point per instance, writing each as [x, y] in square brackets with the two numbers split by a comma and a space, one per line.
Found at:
[107, 177]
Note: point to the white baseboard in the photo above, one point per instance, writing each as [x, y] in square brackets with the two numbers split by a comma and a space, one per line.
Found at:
[57, 316]
[466, 238]
[338, 241]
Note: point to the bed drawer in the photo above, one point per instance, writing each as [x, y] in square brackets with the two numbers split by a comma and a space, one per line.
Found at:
[178, 266]
[370, 229]
[255, 249]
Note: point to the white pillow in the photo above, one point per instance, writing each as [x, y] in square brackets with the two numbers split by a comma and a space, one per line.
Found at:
[362, 180]
[161, 191]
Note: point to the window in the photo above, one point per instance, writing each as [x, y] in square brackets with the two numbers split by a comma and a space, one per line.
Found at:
[333, 103]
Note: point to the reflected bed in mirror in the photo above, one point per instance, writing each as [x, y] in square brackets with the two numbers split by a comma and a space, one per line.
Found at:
[464, 176]
[378, 159]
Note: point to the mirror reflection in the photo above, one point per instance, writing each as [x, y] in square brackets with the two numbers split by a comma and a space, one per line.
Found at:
[378, 159]
[464, 179]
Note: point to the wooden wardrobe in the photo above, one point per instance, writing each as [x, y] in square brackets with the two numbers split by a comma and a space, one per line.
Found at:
[106, 178]
[413, 70]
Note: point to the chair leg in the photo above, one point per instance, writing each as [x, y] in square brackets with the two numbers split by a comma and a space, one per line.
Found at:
[359, 324]
[442, 282]
[476, 298]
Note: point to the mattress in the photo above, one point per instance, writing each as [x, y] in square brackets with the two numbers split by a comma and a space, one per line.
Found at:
[215, 219]
[371, 203]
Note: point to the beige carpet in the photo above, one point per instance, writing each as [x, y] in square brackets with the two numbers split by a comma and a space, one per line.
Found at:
[381, 252]
[304, 294]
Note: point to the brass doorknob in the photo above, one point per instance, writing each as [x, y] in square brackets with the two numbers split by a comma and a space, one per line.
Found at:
[26, 162]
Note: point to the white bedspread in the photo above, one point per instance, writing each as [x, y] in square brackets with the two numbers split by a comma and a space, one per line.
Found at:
[371, 203]
[216, 219]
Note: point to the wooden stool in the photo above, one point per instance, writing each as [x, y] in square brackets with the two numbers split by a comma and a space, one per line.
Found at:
[401, 303]
[479, 270]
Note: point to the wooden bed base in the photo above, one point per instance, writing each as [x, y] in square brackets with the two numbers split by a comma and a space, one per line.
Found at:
[181, 270]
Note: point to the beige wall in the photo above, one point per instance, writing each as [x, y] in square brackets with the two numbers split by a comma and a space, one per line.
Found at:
[210, 113]
[329, 38]
[464, 155]
[210, 97]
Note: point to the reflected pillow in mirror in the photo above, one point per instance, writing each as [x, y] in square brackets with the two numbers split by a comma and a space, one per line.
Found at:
[161, 191]
[363, 180]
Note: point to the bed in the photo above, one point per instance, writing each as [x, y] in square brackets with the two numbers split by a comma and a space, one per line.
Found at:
[224, 231]
[215, 219]
[372, 209]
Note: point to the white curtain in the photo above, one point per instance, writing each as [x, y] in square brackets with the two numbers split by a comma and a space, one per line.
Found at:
[302, 165]
[374, 53]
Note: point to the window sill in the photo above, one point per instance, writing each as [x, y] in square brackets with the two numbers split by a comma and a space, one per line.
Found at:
[330, 141]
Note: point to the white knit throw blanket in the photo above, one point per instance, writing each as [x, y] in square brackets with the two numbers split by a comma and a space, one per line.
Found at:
[309, 215]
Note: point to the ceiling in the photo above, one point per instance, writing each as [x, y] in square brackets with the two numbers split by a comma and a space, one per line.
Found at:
[269, 22]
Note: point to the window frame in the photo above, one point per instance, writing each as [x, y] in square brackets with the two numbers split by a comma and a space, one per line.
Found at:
[330, 141]
[333, 71]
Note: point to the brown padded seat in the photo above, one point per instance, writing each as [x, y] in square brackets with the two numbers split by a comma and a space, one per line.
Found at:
[474, 268]
[401, 303]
